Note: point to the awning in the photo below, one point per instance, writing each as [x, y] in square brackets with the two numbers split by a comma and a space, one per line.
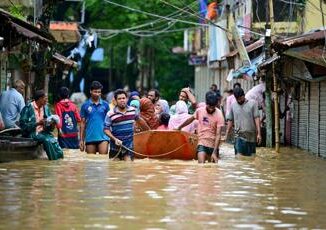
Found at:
[301, 40]
[314, 55]
[269, 61]
[64, 60]
[28, 33]
[22, 28]
[257, 44]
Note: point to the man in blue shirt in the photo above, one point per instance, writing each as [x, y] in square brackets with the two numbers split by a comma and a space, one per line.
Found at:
[11, 104]
[93, 112]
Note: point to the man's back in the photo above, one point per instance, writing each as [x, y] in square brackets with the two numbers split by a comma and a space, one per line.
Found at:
[243, 117]
[11, 104]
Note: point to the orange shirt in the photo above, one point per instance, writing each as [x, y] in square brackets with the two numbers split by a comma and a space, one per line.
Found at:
[39, 115]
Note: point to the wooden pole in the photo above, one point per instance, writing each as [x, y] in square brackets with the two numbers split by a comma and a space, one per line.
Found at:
[276, 111]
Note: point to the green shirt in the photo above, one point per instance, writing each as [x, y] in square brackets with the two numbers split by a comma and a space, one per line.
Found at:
[27, 121]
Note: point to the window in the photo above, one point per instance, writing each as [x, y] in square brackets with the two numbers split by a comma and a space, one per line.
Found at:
[283, 12]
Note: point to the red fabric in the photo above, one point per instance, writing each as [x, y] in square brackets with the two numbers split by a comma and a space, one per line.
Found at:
[147, 112]
[66, 105]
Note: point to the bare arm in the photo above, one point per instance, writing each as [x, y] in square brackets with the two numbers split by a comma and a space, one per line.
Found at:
[217, 140]
[191, 98]
[117, 141]
[257, 122]
[82, 134]
[109, 134]
[186, 122]
[215, 154]
[228, 129]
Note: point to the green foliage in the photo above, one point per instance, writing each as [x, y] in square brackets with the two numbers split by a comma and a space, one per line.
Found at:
[171, 70]
[17, 10]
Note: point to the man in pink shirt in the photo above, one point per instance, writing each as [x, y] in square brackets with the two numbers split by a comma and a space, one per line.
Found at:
[210, 120]
[231, 99]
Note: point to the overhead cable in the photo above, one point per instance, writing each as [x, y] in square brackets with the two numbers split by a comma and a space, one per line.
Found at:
[154, 15]
[209, 21]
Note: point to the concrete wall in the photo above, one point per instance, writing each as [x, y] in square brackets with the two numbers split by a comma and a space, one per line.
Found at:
[217, 74]
[313, 17]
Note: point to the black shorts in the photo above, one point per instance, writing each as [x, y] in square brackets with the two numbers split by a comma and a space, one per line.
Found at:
[94, 143]
[121, 153]
[205, 149]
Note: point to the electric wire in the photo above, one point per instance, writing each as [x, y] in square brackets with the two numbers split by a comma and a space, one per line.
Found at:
[151, 23]
[154, 15]
[209, 21]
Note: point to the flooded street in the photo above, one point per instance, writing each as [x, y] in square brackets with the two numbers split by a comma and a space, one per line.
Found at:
[269, 191]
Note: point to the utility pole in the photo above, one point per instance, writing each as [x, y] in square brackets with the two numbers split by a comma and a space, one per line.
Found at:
[268, 80]
[275, 88]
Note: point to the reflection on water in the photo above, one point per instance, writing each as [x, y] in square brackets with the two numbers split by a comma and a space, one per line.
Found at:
[269, 191]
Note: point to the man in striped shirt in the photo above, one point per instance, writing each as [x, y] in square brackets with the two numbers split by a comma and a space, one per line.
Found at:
[119, 126]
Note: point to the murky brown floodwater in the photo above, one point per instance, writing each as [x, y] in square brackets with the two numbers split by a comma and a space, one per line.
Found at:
[270, 191]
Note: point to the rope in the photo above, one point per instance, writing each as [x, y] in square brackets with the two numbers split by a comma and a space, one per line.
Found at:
[119, 151]
[153, 156]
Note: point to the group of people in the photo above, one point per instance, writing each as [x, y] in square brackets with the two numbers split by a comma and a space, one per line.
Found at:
[108, 126]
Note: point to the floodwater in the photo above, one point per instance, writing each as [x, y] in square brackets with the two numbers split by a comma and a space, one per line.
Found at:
[286, 190]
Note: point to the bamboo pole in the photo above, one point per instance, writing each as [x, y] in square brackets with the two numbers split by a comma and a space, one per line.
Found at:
[276, 111]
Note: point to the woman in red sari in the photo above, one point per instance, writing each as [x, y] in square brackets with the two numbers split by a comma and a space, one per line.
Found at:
[147, 112]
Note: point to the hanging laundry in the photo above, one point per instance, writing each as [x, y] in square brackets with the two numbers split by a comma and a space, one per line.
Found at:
[212, 11]
[202, 10]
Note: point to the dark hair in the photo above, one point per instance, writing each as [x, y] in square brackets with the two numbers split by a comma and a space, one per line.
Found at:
[64, 92]
[39, 94]
[230, 91]
[237, 84]
[238, 92]
[96, 85]
[118, 92]
[164, 118]
[211, 98]
[156, 92]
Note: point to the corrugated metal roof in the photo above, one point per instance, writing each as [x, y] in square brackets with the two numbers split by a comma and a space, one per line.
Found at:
[23, 28]
[268, 61]
[313, 55]
[257, 44]
[304, 39]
